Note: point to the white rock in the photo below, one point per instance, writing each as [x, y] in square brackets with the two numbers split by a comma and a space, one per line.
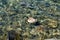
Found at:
[31, 20]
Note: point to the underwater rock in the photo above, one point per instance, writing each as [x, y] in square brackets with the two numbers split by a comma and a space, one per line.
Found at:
[31, 20]
[11, 35]
[47, 4]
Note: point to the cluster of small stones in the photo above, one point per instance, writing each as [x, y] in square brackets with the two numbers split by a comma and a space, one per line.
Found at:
[29, 19]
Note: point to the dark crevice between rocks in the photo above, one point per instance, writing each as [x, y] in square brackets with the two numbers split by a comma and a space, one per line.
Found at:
[37, 23]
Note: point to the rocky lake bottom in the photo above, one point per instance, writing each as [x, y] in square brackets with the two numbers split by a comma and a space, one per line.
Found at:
[29, 19]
